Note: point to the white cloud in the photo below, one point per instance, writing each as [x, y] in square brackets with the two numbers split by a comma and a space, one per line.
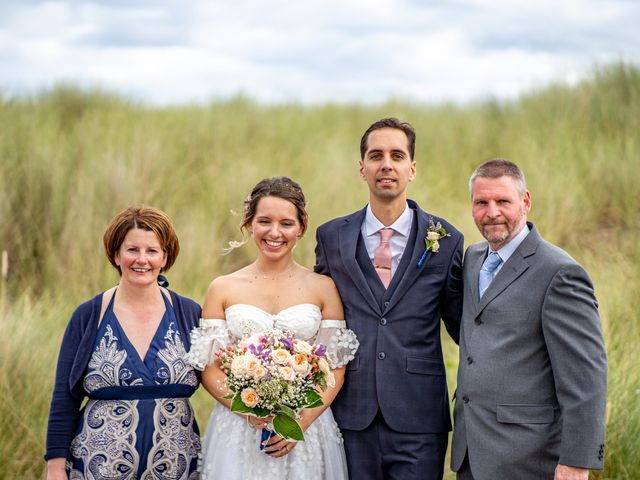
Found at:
[349, 50]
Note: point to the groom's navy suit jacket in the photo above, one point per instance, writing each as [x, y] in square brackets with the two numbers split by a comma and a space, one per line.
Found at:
[398, 369]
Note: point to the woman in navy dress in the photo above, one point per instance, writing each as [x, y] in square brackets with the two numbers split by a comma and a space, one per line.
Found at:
[124, 350]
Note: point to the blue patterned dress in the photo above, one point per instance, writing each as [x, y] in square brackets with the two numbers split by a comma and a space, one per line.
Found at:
[138, 422]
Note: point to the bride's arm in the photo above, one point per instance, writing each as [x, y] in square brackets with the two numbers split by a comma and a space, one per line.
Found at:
[213, 379]
[331, 306]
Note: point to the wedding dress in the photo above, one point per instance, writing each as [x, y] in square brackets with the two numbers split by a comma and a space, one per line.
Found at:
[231, 446]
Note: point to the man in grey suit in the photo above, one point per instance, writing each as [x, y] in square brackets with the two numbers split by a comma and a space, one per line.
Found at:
[393, 409]
[532, 380]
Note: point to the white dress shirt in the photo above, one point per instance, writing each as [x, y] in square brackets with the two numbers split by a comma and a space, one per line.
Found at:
[401, 230]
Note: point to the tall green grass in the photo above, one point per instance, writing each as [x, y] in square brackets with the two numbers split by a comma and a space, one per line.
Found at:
[70, 160]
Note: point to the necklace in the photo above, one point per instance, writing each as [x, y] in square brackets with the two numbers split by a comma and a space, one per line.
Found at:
[287, 271]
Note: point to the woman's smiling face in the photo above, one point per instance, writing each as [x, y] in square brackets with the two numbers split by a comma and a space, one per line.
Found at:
[140, 257]
[275, 227]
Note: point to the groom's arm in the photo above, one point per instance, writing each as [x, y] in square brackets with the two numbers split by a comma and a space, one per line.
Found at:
[321, 265]
[451, 297]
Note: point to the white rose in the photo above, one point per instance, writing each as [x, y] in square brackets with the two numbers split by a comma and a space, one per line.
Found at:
[435, 246]
[300, 346]
[323, 365]
[433, 236]
[239, 365]
[260, 371]
[249, 397]
[251, 362]
[300, 363]
[281, 356]
[288, 374]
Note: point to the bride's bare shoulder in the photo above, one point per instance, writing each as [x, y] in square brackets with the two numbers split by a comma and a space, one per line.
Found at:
[223, 289]
[318, 282]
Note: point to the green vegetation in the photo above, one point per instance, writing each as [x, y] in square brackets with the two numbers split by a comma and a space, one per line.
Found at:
[70, 160]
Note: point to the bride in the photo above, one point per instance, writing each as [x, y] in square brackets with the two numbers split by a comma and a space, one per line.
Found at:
[272, 292]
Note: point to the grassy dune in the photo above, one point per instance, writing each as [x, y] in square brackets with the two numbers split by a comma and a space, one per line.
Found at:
[70, 160]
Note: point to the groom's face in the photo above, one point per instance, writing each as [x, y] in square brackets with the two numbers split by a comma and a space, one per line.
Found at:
[499, 209]
[387, 166]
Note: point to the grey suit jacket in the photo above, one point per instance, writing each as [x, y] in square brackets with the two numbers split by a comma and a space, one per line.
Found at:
[532, 378]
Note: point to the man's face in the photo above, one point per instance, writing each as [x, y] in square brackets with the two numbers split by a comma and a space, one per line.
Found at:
[498, 209]
[387, 166]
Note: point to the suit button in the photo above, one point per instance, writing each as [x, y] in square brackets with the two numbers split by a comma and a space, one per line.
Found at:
[478, 321]
[386, 304]
[383, 321]
[382, 355]
[469, 360]
[465, 399]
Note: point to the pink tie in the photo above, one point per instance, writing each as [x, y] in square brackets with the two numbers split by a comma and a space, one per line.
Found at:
[382, 257]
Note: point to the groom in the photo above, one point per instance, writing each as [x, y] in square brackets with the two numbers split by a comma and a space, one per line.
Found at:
[393, 409]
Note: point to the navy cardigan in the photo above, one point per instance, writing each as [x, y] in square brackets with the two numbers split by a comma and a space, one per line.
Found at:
[75, 352]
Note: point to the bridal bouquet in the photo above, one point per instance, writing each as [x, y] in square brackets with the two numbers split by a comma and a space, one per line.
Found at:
[273, 374]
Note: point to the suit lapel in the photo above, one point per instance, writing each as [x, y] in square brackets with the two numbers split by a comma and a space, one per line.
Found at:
[511, 271]
[349, 234]
[473, 281]
[416, 250]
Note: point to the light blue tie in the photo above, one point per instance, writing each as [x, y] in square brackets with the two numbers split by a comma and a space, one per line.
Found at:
[487, 271]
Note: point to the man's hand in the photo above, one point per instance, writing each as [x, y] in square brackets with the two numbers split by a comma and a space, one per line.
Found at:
[564, 472]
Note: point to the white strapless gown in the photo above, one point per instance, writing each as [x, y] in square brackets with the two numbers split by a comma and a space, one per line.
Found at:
[231, 450]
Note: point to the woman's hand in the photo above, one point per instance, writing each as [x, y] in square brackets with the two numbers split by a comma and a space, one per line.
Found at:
[56, 469]
[257, 422]
[277, 446]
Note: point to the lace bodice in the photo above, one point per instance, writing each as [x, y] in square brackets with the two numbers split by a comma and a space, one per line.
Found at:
[303, 320]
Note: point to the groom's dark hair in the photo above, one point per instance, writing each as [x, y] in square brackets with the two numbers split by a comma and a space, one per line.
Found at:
[390, 122]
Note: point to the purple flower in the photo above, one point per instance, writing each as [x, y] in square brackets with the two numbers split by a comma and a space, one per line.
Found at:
[321, 350]
[286, 342]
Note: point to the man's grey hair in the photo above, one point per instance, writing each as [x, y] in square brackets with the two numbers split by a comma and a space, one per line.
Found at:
[499, 167]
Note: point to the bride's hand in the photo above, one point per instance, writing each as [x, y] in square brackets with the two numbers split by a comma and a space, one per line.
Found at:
[277, 446]
[258, 422]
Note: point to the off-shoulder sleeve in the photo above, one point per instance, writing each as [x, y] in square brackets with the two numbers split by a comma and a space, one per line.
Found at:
[206, 340]
[341, 342]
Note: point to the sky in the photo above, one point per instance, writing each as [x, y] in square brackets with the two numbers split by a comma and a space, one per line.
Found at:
[174, 52]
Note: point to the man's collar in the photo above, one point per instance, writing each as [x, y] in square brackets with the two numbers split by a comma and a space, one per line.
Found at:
[507, 250]
[401, 226]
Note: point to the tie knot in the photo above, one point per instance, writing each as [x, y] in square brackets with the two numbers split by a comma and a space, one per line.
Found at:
[492, 262]
[385, 234]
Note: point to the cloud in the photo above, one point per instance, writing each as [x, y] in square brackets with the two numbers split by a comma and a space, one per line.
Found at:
[278, 51]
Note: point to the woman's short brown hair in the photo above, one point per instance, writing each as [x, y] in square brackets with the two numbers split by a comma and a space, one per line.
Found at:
[145, 218]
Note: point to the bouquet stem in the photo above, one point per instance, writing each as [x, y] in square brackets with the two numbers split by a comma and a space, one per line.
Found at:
[266, 435]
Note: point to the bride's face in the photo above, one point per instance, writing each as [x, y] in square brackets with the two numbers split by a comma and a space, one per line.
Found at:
[275, 228]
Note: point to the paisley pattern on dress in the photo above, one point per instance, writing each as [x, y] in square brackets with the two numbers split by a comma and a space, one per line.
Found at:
[174, 440]
[150, 439]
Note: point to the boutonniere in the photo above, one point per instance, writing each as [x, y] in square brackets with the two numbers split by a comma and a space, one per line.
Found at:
[435, 232]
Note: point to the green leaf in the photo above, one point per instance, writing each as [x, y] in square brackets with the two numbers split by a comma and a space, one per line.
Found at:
[287, 428]
[238, 405]
[230, 396]
[261, 412]
[313, 399]
[289, 412]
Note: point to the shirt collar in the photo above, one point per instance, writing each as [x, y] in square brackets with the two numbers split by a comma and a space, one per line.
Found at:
[507, 250]
[402, 226]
